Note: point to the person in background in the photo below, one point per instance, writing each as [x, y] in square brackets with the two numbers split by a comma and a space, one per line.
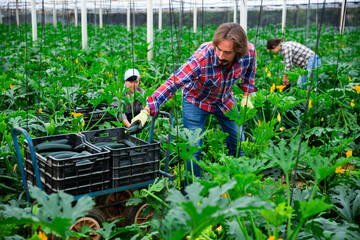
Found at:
[295, 54]
[206, 80]
[133, 105]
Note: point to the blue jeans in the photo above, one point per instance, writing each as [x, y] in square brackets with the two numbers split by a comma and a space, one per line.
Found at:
[194, 117]
[313, 62]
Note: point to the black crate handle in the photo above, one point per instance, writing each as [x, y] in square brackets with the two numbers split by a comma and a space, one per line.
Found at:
[84, 163]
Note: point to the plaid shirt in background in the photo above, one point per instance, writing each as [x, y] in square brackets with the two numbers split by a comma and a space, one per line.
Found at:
[205, 83]
[295, 54]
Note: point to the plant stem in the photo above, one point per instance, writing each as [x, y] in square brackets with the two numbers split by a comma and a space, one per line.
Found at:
[288, 203]
[253, 226]
[157, 198]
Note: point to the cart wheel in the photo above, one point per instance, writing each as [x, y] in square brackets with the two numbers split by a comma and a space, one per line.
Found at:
[134, 214]
[113, 198]
[93, 220]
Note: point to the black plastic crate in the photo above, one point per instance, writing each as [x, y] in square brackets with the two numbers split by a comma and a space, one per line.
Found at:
[74, 175]
[131, 164]
[93, 115]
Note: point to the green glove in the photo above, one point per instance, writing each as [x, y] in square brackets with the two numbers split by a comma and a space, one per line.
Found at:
[245, 102]
[142, 117]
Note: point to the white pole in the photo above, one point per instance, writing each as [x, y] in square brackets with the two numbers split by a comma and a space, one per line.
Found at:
[195, 17]
[128, 17]
[84, 25]
[342, 20]
[1, 17]
[17, 13]
[54, 17]
[160, 15]
[150, 29]
[243, 14]
[283, 17]
[100, 15]
[76, 13]
[33, 20]
[235, 11]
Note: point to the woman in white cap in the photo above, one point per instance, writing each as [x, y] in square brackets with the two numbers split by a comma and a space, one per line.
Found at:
[133, 106]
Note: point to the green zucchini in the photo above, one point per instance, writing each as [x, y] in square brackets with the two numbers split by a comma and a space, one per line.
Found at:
[116, 145]
[55, 154]
[60, 141]
[129, 143]
[65, 155]
[134, 128]
[52, 146]
[80, 147]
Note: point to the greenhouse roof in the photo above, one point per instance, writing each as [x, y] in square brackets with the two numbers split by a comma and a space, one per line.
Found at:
[140, 5]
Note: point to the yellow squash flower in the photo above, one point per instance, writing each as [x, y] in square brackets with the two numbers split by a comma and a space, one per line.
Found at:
[76, 61]
[281, 87]
[11, 85]
[349, 79]
[357, 88]
[349, 153]
[310, 103]
[278, 117]
[352, 103]
[259, 123]
[339, 170]
[42, 235]
[269, 74]
[75, 114]
[282, 129]
[322, 119]
[273, 238]
[40, 110]
[272, 88]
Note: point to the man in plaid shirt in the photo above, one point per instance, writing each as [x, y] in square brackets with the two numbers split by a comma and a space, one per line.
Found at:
[295, 54]
[206, 80]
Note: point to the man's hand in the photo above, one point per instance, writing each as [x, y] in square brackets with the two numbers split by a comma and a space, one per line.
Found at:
[285, 80]
[142, 117]
[246, 102]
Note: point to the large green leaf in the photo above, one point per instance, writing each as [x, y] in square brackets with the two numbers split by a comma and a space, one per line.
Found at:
[347, 201]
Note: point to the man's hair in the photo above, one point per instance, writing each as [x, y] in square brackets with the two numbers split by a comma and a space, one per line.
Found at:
[132, 78]
[235, 33]
[273, 42]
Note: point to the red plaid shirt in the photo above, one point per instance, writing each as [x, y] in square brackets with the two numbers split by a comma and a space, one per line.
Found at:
[205, 83]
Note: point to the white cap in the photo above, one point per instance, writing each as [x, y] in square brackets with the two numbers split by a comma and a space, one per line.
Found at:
[131, 72]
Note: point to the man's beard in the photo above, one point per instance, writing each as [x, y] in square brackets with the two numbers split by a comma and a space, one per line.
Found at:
[224, 63]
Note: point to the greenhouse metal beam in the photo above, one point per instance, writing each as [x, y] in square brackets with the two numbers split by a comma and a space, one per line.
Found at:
[17, 13]
[100, 15]
[342, 19]
[150, 29]
[195, 17]
[33, 20]
[128, 17]
[243, 14]
[160, 16]
[283, 22]
[307, 21]
[84, 37]
[235, 11]
[76, 13]
[54, 17]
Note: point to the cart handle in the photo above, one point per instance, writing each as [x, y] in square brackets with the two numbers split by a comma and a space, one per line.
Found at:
[169, 137]
[14, 132]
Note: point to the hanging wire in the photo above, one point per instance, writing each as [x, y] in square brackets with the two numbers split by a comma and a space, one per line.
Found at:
[26, 69]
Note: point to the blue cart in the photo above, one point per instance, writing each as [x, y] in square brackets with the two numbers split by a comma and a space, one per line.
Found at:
[108, 175]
